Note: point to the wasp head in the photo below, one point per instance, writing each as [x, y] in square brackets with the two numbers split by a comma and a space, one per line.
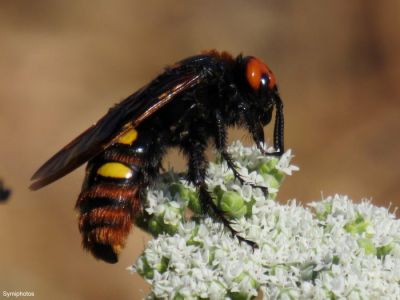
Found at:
[259, 94]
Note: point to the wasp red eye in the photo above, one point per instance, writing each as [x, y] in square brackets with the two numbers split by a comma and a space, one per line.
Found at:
[257, 74]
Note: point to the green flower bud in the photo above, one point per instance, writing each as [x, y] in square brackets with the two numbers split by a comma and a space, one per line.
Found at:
[162, 266]
[178, 297]
[143, 268]
[330, 295]
[167, 227]
[192, 240]
[166, 222]
[170, 229]
[271, 181]
[154, 226]
[188, 195]
[249, 207]
[267, 167]
[323, 214]
[287, 293]
[279, 176]
[173, 214]
[307, 271]
[179, 188]
[384, 250]
[367, 245]
[194, 202]
[233, 204]
[359, 225]
[218, 192]
[239, 295]
[228, 178]
[151, 223]
[335, 260]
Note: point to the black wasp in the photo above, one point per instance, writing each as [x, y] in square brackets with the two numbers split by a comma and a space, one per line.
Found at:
[4, 192]
[190, 103]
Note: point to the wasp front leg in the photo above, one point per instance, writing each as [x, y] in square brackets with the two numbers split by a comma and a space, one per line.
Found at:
[257, 131]
[220, 143]
[197, 165]
[279, 128]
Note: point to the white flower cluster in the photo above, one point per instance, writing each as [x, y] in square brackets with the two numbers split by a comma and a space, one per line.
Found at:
[333, 250]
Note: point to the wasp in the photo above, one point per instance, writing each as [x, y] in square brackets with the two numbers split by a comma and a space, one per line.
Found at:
[189, 105]
[4, 192]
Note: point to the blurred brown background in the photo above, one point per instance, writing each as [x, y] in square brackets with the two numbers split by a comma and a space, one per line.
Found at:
[62, 64]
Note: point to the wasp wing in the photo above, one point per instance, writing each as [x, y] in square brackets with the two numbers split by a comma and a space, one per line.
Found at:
[120, 118]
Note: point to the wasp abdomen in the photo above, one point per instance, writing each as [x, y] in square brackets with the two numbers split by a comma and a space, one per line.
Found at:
[109, 201]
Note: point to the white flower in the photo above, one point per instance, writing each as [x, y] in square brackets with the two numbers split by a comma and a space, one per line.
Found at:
[284, 163]
[333, 248]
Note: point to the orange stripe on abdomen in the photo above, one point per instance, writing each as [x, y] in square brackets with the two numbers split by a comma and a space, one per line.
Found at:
[105, 219]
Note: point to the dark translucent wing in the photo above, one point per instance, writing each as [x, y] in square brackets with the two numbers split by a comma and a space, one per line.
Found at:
[126, 114]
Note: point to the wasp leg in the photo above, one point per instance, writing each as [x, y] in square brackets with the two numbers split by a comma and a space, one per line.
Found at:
[257, 131]
[220, 142]
[278, 129]
[197, 165]
[206, 198]
[243, 180]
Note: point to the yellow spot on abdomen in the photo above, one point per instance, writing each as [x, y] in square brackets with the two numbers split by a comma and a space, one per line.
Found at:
[129, 137]
[115, 170]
